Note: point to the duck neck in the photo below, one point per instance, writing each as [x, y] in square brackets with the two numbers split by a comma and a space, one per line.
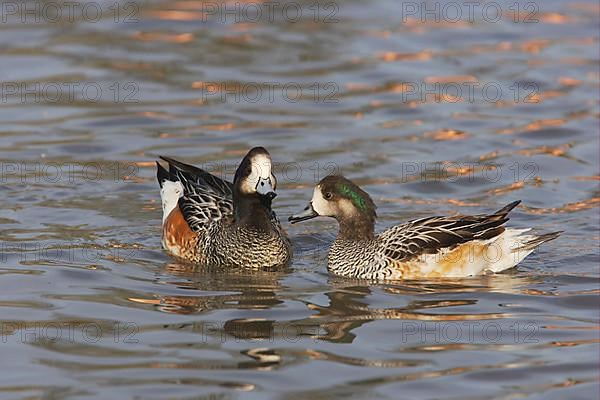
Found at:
[252, 212]
[357, 228]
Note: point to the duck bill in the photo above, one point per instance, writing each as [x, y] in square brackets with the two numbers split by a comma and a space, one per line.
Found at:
[308, 213]
[264, 187]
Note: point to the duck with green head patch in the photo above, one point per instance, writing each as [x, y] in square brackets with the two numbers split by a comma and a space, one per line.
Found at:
[452, 246]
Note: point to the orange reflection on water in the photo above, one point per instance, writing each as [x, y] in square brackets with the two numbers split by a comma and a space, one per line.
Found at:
[220, 127]
[542, 123]
[461, 203]
[555, 18]
[145, 164]
[489, 156]
[391, 56]
[163, 37]
[156, 115]
[586, 178]
[505, 189]
[174, 15]
[535, 46]
[568, 81]
[446, 134]
[542, 96]
[574, 328]
[567, 208]
[572, 343]
[397, 123]
[458, 79]
[556, 151]
[243, 26]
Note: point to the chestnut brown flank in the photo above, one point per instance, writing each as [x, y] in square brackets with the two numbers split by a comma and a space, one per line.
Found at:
[177, 235]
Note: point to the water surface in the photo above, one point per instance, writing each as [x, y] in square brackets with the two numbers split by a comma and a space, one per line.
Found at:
[90, 307]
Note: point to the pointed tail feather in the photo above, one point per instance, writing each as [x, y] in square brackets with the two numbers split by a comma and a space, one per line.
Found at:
[513, 246]
[190, 175]
[538, 240]
[507, 208]
[492, 226]
[174, 164]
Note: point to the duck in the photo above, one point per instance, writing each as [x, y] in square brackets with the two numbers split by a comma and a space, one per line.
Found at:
[455, 246]
[213, 222]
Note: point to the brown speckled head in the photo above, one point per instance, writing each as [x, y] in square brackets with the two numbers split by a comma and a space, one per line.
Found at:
[340, 198]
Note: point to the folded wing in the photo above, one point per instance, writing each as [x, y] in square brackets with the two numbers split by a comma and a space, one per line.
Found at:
[206, 198]
[430, 235]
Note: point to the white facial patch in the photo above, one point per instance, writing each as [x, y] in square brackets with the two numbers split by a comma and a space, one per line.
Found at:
[319, 204]
[170, 194]
[261, 166]
[260, 179]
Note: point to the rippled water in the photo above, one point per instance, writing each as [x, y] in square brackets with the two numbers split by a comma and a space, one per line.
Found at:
[432, 117]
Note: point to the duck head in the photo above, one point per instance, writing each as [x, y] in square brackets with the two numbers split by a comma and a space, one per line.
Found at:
[254, 176]
[340, 198]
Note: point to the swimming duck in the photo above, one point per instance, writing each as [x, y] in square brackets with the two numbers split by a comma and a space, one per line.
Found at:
[451, 246]
[213, 222]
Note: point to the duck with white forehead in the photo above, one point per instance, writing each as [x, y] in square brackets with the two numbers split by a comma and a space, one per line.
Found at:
[210, 221]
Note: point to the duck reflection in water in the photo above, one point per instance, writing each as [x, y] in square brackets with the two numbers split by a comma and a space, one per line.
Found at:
[347, 309]
[244, 289]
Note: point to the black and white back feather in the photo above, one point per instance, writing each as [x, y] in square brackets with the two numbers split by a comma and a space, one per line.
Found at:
[432, 234]
[206, 198]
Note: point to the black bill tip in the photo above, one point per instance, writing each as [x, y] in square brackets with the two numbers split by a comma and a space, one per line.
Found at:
[307, 213]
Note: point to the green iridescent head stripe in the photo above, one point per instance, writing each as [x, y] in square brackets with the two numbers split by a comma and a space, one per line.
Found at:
[356, 198]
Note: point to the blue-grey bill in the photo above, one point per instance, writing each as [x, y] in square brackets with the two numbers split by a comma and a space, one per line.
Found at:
[307, 213]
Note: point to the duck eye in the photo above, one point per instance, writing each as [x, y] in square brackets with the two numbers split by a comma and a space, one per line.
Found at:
[248, 171]
[328, 195]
